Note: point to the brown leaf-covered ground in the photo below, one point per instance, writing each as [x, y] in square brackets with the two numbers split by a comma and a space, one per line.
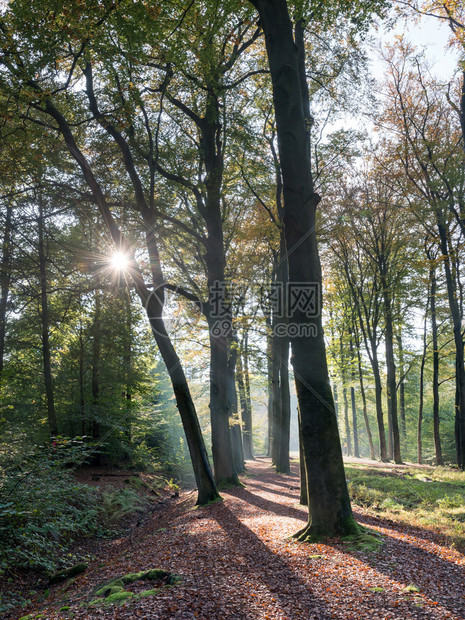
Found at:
[237, 561]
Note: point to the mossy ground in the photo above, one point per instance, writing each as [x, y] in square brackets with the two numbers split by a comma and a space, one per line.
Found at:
[115, 592]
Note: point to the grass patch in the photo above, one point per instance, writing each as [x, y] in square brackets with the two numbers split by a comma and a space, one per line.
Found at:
[432, 499]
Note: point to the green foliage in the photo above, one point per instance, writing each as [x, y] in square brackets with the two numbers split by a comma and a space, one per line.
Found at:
[116, 504]
[43, 510]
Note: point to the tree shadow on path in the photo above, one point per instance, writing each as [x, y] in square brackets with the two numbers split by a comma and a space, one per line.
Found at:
[292, 593]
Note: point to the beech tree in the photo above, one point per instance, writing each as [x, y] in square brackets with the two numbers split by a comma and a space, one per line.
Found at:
[329, 505]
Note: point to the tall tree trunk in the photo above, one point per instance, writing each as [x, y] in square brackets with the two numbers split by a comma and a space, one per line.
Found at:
[400, 348]
[283, 464]
[303, 500]
[379, 404]
[352, 397]
[421, 390]
[269, 360]
[218, 310]
[459, 355]
[370, 340]
[434, 333]
[246, 413]
[330, 511]
[95, 380]
[82, 401]
[344, 399]
[284, 421]
[235, 424]
[127, 355]
[391, 367]
[45, 321]
[346, 421]
[277, 402]
[364, 400]
[5, 281]
[223, 462]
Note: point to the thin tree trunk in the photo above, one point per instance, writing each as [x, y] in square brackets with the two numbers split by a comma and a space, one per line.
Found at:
[459, 355]
[128, 368]
[400, 348]
[394, 438]
[434, 333]
[344, 399]
[276, 414]
[284, 421]
[269, 359]
[421, 391]
[5, 281]
[45, 321]
[364, 402]
[379, 405]
[235, 424]
[95, 380]
[82, 401]
[283, 464]
[246, 413]
[352, 398]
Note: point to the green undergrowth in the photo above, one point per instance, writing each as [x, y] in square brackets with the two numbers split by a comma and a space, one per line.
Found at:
[432, 498]
[115, 591]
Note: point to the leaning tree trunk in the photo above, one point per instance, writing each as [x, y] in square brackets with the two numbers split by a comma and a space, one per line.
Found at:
[153, 304]
[45, 322]
[330, 511]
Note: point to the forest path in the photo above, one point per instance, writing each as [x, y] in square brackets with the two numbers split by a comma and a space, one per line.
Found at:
[237, 561]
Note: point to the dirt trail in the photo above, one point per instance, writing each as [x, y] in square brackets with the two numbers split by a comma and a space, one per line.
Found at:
[237, 561]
